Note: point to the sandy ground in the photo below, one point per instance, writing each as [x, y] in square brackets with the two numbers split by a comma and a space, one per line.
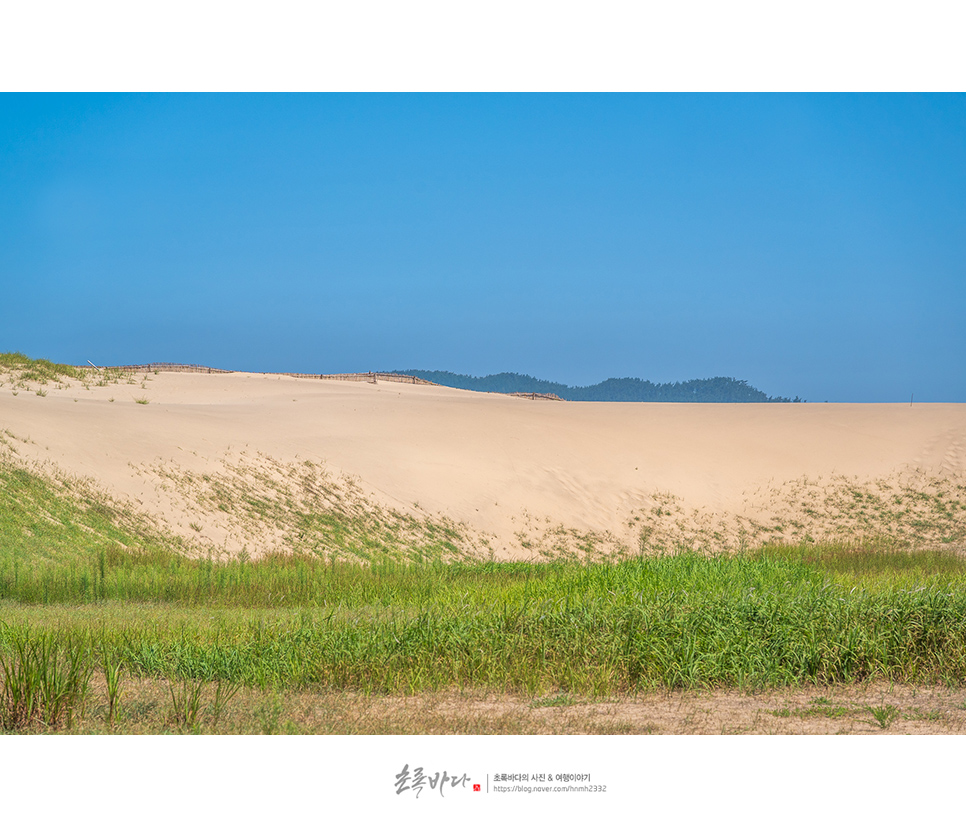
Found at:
[868, 709]
[523, 476]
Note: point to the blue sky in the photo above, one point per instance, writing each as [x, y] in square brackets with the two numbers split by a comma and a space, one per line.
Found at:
[814, 245]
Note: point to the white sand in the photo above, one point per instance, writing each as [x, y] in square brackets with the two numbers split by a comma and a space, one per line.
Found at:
[510, 468]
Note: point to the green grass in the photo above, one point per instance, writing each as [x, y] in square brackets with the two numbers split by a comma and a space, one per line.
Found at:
[681, 622]
[45, 680]
[41, 527]
[871, 563]
[186, 702]
[22, 370]
[38, 370]
[818, 707]
[76, 582]
[883, 715]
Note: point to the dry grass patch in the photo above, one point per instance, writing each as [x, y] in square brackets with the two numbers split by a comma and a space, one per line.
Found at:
[911, 510]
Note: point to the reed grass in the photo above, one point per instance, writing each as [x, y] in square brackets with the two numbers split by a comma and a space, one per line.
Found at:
[186, 702]
[875, 560]
[685, 621]
[45, 680]
[224, 693]
[113, 675]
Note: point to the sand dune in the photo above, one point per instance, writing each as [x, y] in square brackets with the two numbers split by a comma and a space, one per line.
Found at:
[522, 476]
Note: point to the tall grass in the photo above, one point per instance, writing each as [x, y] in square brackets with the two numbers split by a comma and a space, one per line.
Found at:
[185, 702]
[113, 675]
[45, 681]
[682, 621]
[278, 580]
[873, 560]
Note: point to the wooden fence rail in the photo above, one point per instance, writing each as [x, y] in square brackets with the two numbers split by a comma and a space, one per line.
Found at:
[163, 366]
[371, 376]
[375, 376]
[534, 396]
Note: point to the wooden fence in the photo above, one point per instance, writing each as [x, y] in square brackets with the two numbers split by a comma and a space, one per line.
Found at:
[162, 366]
[534, 396]
[372, 376]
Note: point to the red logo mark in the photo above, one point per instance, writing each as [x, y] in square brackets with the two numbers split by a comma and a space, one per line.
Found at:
[476, 787]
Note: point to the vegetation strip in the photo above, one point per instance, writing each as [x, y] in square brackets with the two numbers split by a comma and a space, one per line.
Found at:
[604, 629]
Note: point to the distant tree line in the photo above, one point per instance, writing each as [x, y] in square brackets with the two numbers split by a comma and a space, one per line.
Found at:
[719, 389]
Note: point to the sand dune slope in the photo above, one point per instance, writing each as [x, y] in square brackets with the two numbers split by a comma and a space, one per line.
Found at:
[520, 476]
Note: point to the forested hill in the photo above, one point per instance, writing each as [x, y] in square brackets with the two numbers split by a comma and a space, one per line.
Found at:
[719, 389]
